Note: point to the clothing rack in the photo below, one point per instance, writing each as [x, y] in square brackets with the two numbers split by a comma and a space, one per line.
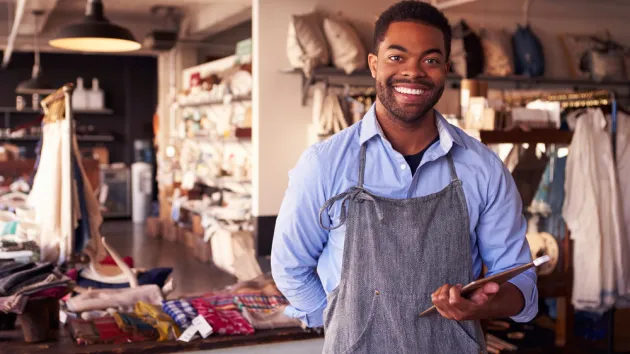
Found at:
[596, 99]
[58, 106]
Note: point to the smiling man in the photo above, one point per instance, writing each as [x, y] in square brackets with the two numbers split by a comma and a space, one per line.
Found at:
[397, 212]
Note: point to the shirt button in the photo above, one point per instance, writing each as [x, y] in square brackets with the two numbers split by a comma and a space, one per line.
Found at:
[403, 166]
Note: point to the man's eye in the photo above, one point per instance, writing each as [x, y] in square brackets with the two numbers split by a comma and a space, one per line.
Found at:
[395, 58]
[432, 61]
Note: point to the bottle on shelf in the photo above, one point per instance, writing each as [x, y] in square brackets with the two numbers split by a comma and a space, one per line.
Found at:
[96, 97]
[79, 96]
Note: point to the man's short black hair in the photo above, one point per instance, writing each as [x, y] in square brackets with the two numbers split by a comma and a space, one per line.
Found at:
[412, 11]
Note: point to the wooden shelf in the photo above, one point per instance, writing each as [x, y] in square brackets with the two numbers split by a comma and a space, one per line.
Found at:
[544, 136]
[86, 138]
[214, 102]
[338, 75]
[105, 111]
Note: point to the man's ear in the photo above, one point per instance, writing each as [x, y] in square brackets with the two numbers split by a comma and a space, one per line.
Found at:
[372, 63]
[448, 66]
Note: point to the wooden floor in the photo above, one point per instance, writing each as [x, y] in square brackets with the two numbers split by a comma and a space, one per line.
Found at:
[191, 276]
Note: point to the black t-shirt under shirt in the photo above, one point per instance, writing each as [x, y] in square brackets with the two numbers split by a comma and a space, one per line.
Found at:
[414, 160]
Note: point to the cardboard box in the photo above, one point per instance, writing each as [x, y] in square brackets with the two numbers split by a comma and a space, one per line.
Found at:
[153, 227]
[169, 232]
[202, 250]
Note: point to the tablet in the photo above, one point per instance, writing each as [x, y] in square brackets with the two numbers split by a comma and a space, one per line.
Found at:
[499, 278]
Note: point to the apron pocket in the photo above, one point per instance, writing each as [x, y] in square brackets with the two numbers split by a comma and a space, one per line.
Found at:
[365, 333]
[464, 329]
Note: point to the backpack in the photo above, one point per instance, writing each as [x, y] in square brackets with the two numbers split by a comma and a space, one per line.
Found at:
[529, 58]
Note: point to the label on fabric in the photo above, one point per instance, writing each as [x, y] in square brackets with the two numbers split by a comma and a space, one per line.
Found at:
[203, 326]
[63, 316]
[188, 334]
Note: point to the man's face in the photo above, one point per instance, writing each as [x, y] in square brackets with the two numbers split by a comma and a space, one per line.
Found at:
[410, 70]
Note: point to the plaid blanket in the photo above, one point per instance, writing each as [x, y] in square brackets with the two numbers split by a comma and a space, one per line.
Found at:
[181, 311]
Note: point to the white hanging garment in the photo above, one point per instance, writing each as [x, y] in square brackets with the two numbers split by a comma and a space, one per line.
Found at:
[46, 196]
[51, 201]
[593, 214]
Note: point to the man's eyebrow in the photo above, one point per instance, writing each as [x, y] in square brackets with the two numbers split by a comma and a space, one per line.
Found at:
[432, 51]
[426, 52]
[398, 47]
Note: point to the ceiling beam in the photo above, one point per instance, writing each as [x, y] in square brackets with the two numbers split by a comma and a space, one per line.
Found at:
[23, 23]
[448, 4]
[201, 22]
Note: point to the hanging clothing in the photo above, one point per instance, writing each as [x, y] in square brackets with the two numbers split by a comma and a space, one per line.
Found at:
[592, 211]
[623, 173]
[50, 199]
[377, 293]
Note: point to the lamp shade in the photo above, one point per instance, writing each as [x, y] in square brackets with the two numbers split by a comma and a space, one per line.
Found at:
[95, 34]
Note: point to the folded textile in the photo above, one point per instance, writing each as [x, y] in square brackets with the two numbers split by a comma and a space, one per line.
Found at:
[163, 323]
[271, 319]
[98, 331]
[226, 322]
[222, 302]
[87, 279]
[181, 311]
[260, 303]
[135, 326]
[123, 299]
[53, 285]
[12, 267]
[11, 283]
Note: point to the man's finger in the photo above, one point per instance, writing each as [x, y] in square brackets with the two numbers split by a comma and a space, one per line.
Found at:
[485, 293]
[462, 305]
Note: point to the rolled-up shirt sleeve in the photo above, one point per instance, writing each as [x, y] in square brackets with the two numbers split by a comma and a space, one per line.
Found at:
[501, 236]
[299, 240]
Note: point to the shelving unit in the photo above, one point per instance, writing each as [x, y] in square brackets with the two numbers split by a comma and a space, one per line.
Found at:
[360, 77]
[548, 136]
[85, 138]
[105, 111]
[214, 102]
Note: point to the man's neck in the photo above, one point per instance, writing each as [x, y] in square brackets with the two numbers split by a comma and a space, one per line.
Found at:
[407, 139]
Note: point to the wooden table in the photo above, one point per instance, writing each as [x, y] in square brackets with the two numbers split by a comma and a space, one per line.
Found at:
[12, 342]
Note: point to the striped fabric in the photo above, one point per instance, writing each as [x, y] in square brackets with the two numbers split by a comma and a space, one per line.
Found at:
[259, 303]
[181, 311]
[223, 322]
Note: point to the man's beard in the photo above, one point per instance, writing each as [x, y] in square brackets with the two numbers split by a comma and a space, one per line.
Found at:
[411, 113]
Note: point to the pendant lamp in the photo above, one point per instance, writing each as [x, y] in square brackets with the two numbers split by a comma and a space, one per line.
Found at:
[95, 34]
[36, 84]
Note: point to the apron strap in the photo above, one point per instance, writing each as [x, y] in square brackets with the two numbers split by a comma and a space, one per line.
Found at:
[357, 193]
[451, 167]
[362, 164]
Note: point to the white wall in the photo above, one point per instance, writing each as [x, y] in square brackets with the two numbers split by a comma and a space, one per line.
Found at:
[281, 123]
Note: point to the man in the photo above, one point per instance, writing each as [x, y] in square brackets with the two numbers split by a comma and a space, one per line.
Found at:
[397, 212]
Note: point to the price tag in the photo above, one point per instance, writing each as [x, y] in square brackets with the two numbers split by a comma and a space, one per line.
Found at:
[63, 316]
[203, 326]
[188, 334]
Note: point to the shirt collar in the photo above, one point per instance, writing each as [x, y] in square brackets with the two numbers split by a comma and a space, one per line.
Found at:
[448, 135]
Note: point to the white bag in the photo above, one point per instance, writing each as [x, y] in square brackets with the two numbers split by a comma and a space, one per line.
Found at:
[348, 53]
[306, 43]
[234, 252]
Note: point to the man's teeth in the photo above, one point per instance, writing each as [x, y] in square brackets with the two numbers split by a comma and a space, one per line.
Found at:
[408, 91]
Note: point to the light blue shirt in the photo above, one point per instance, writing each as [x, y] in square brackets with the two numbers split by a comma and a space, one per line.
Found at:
[306, 259]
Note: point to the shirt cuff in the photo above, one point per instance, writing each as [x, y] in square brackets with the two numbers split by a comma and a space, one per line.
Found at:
[312, 320]
[527, 286]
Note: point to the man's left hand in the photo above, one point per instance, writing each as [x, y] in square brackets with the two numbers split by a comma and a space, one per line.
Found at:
[451, 305]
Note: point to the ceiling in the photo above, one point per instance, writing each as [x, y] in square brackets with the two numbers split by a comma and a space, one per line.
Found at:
[201, 19]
